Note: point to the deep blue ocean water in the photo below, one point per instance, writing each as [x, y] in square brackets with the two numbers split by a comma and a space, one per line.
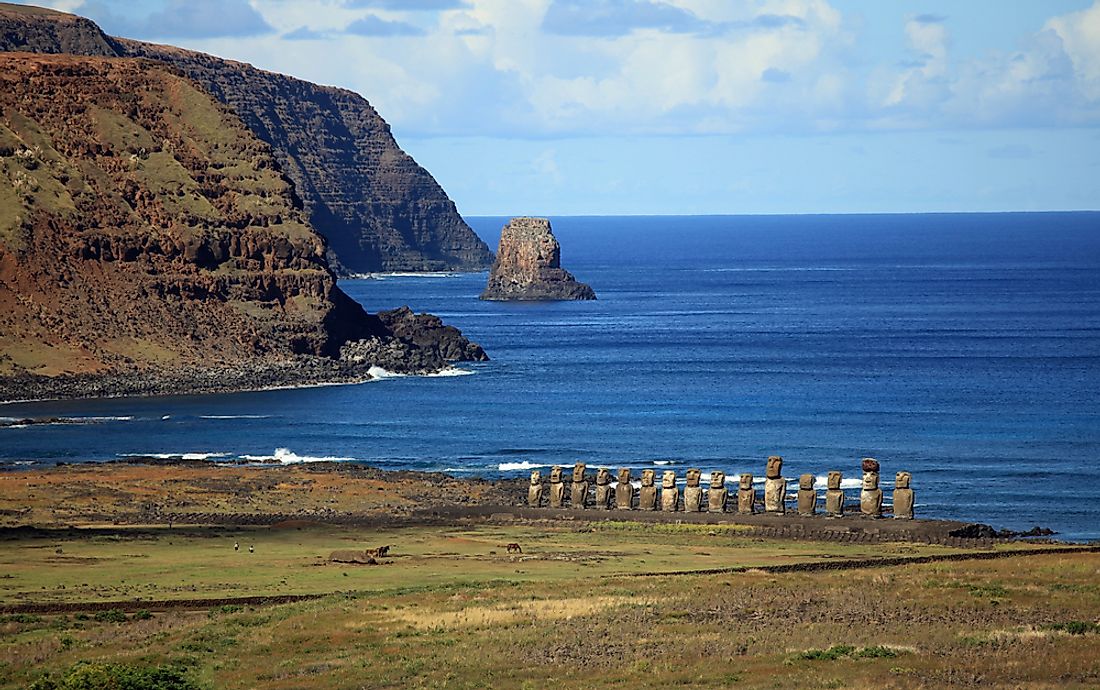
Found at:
[963, 348]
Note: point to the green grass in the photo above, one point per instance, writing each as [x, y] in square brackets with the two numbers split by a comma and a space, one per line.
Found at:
[189, 563]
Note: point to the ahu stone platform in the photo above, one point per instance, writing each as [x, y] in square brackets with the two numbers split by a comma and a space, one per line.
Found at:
[804, 513]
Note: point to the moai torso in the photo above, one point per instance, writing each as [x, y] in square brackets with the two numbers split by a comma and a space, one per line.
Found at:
[746, 496]
[717, 493]
[870, 497]
[603, 489]
[647, 495]
[534, 490]
[834, 496]
[903, 496]
[807, 496]
[670, 495]
[578, 495]
[624, 491]
[775, 487]
[693, 492]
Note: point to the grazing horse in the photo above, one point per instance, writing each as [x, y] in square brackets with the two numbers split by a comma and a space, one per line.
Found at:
[514, 548]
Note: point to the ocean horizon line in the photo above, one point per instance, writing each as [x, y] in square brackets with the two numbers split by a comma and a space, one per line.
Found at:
[789, 215]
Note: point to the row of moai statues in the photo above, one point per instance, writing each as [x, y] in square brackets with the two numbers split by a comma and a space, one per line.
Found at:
[716, 497]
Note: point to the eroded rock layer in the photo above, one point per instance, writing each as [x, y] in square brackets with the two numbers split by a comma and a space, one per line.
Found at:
[528, 266]
[379, 210]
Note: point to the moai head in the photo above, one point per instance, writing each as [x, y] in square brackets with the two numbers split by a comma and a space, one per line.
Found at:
[555, 474]
[870, 481]
[718, 479]
[870, 465]
[834, 480]
[746, 482]
[903, 480]
[806, 482]
[668, 480]
[536, 478]
[624, 475]
[603, 477]
[578, 472]
[775, 467]
[693, 477]
[649, 477]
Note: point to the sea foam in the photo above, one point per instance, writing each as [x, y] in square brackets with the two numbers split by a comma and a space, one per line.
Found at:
[289, 457]
[510, 466]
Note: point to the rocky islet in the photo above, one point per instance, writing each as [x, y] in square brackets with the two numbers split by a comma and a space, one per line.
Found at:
[528, 266]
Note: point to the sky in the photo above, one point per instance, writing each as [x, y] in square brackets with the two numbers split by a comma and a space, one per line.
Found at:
[572, 107]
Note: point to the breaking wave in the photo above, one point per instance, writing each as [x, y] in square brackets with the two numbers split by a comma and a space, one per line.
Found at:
[288, 457]
[176, 456]
[510, 466]
[378, 373]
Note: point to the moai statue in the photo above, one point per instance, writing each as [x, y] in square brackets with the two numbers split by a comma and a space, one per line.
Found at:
[624, 491]
[807, 497]
[534, 491]
[903, 496]
[693, 492]
[775, 486]
[647, 495]
[578, 495]
[717, 493]
[746, 496]
[603, 489]
[870, 498]
[557, 488]
[670, 495]
[834, 496]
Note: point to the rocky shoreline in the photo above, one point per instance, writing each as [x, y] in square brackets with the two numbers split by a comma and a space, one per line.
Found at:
[416, 344]
[299, 372]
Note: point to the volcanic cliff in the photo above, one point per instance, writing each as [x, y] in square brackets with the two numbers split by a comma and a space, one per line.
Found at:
[145, 232]
[528, 266]
[379, 210]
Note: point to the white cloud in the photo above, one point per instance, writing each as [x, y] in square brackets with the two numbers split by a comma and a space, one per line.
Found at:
[490, 67]
[1080, 34]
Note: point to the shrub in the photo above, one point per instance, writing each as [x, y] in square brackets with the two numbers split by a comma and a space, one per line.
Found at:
[845, 650]
[876, 652]
[110, 616]
[1075, 627]
[87, 676]
[831, 654]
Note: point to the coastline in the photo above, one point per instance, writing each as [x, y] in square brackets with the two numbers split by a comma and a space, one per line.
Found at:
[133, 386]
[301, 372]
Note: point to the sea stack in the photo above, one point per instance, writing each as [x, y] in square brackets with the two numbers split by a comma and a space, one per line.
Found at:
[528, 266]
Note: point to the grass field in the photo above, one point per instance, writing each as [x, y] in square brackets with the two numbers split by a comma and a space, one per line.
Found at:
[452, 609]
[201, 562]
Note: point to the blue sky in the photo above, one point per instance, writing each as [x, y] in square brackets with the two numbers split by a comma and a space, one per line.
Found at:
[695, 106]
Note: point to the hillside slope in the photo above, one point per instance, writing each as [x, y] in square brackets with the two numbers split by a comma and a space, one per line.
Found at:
[143, 228]
[379, 210]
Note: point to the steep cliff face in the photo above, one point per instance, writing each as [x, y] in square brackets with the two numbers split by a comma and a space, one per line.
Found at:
[38, 30]
[142, 223]
[143, 228]
[528, 266]
[379, 210]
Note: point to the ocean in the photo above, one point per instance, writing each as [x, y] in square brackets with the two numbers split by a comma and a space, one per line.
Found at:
[964, 348]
